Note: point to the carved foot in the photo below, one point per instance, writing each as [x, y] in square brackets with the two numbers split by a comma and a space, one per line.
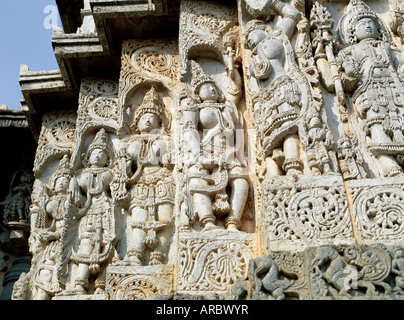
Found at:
[157, 258]
[232, 227]
[210, 226]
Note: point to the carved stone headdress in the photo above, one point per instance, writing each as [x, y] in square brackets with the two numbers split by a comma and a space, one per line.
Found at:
[152, 103]
[354, 12]
[101, 141]
[63, 170]
[200, 77]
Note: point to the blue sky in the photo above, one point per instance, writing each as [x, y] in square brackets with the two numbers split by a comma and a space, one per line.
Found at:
[25, 37]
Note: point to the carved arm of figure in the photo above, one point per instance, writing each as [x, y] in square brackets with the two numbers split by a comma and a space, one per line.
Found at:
[190, 134]
[349, 71]
[76, 198]
[290, 14]
[260, 9]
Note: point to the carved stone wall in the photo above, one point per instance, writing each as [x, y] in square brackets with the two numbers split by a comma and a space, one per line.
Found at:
[259, 155]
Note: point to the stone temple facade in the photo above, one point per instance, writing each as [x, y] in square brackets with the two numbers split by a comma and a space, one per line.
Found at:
[202, 149]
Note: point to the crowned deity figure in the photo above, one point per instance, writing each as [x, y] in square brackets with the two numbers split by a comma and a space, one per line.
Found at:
[276, 95]
[53, 232]
[17, 202]
[96, 214]
[369, 71]
[151, 185]
[215, 183]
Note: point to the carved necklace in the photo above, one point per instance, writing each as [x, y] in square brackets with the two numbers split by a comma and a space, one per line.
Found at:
[372, 49]
[146, 143]
[59, 208]
[95, 176]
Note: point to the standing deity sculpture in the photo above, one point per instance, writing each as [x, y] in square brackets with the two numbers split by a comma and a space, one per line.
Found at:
[319, 141]
[151, 186]
[96, 214]
[53, 231]
[277, 98]
[369, 71]
[17, 202]
[209, 129]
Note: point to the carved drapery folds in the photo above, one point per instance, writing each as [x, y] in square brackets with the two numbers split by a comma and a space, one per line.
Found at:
[257, 156]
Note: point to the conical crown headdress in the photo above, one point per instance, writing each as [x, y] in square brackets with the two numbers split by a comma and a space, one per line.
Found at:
[199, 77]
[101, 141]
[354, 12]
[151, 103]
[154, 104]
[63, 170]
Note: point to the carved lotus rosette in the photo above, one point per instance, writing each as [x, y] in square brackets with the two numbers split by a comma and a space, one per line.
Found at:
[138, 283]
[313, 210]
[212, 263]
[379, 209]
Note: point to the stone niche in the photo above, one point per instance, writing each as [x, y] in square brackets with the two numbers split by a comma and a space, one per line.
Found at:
[258, 155]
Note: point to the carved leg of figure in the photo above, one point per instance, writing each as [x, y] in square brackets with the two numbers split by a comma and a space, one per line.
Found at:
[160, 253]
[203, 205]
[81, 279]
[238, 198]
[82, 273]
[45, 276]
[100, 281]
[41, 295]
[137, 252]
[292, 164]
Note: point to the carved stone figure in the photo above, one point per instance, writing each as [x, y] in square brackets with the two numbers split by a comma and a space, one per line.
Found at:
[96, 230]
[151, 186]
[397, 268]
[369, 64]
[209, 128]
[265, 275]
[53, 231]
[319, 141]
[146, 181]
[276, 95]
[350, 159]
[397, 18]
[278, 276]
[352, 271]
[17, 202]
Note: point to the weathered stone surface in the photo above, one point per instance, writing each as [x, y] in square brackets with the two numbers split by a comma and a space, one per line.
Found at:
[136, 283]
[253, 150]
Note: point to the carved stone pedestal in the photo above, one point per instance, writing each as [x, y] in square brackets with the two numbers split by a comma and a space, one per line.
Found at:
[212, 261]
[137, 282]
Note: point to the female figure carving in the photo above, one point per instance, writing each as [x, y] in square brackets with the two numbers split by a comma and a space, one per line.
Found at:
[96, 231]
[209, 129]
[151, 187]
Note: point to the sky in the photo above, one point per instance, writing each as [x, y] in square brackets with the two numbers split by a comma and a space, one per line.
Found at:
[25, 38]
